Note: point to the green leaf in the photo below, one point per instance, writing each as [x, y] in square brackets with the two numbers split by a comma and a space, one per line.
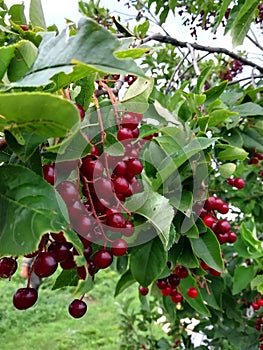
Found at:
[24, 152]
[184, 203]
[44, 114]
[231, 153]
[252, 139]
[214, 92]
[243, 275]
[248, 109]
[227, 169]
[66, 278]
[223, 7]
[124, 282]
[29, 207]
[218, 116]
[242, 22]
[25, 54]
[213, 294]
[6, 54]
[253, 245]
[132, 53]
[112, 146]
[155, 208]
[147, 261]
[16, 13]
[201, 79]
[83, 287]
[136, 97]
[64, 54]
[36, 14]
[257, 283]
[197, 303]
[182, 253]
[207, 248]
[141, 29]
[172, 4]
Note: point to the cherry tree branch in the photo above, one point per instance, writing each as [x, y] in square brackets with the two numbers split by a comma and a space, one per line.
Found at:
[173, 41]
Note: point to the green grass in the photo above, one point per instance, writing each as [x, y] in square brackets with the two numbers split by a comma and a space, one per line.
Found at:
[48, 325]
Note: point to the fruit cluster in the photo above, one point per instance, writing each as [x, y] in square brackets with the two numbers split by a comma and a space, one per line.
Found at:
[169, 285]
[237, 182]
[233, 69]
[95, 203]
[220, 227]
[259, 18]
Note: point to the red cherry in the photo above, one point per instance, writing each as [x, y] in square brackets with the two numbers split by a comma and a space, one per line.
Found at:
[134, 166]
[45, 264]
[254, 160]
[210, 202]
[91, 168]
[209, 220]
[49, 173]
[129, 121]
[177, 298]
[8, 267]
[192, 292]
[143, 290]
[128, 229]
[181, 271]
[232, 237]
[25, 298]
[260, 302]
[119, 247]
[162, 283]
[68, 191]
[239, 183]
[121, 185]
[255, 305]
[116, 221]
[102, 259]
[124, 134]
[174, 280]
[77, 308]
[166, 291]
[223, 226]
[214, 272]
[204, 265]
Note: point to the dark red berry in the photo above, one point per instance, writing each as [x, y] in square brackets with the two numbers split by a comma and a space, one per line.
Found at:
[181, 271]
[125, 134]
[232, 237]
[45, 264]
[68, 191]
[116, 221]
[8, 267]
[143, 290]
[77, 308]
[134, 166]
[162, 283]
[102, 259]
[209, 220]
[223, 226]
[239, 183]
[129, 121]
[177, 297]
[192, 292]
[49, 173]
[24, 298]
[119, 247]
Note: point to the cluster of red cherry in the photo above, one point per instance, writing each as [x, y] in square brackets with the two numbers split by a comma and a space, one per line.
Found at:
[169, 285]
[220, 227]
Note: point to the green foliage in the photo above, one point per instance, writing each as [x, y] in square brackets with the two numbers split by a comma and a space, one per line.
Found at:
[198, 134]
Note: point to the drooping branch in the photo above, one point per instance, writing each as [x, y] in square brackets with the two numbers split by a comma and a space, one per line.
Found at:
[173, 41]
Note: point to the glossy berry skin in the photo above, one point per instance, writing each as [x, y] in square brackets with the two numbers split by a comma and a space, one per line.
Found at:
[68, 191]
[260, 302]
[129, 121]
[134, 166]
[162, 283]
[8, 267]
[181, 271]
[232, 237]
[116, 221]
[239, 183]
[102, 259]
[209, 220]
[166, 291]
[45, 264]
[255, 305]
[49, 173]
[124, 134]
[119, 247]
[177, 298]
[24, 298]
[192, 292]
[223, 226]
[77, 308]
[143, 290]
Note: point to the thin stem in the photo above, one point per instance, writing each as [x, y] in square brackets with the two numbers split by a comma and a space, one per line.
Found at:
[99, 119]
[113, 102]
[173, 41]
[254, 41]
[169, 85]
[194, 60]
